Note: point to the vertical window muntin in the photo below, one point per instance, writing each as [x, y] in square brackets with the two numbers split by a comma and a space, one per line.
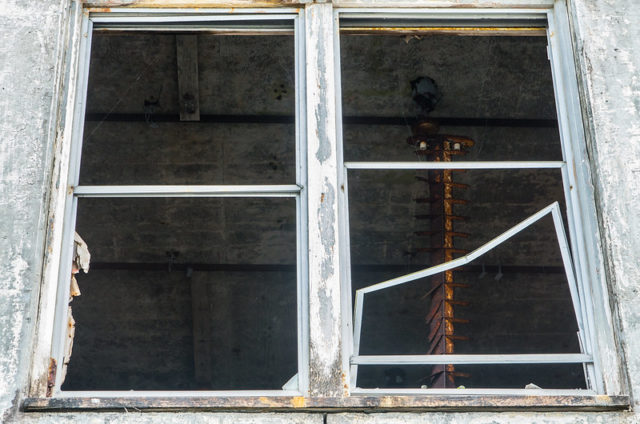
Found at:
[192, 21]
[504, 22]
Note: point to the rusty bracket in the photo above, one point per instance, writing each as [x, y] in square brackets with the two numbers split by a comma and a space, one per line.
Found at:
[51, 376]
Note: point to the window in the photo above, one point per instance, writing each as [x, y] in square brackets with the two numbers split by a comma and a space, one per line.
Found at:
[187, 190]
[454, 163]
[274, 202]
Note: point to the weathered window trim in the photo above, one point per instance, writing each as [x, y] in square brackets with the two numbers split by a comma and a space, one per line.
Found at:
[41, 364]
[580, 187]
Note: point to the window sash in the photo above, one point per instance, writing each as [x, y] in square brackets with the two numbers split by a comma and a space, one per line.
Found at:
[147, 21]
[290, 190]
[457, 165]
[395, 19]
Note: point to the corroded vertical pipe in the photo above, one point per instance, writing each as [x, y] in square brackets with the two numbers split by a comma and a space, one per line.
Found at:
[441, 316]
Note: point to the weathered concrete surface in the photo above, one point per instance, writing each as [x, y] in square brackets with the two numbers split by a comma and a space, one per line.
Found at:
[608, 48]
[29, 51]
[607, 37]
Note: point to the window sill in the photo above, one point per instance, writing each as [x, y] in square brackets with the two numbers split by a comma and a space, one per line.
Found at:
[353, 403]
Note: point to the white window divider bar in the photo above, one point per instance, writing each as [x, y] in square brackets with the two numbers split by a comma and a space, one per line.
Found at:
[444, 13]
[291, 190]
[192, 28]
[543, 358]
[457, 165]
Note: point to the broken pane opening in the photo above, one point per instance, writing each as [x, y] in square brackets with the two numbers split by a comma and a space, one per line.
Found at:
[482, 310]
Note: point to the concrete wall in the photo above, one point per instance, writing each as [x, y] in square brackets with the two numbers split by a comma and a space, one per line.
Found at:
[608, 47]
[30, 58]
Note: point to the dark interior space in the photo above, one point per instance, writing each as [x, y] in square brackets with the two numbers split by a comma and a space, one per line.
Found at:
[187, 293]
[190, 293]
[513, 300]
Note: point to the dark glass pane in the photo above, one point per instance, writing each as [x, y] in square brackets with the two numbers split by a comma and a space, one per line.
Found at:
[186, 293]
[497, 91]
[246, 130]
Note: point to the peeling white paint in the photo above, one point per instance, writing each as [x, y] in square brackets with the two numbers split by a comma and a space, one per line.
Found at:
[324, 263]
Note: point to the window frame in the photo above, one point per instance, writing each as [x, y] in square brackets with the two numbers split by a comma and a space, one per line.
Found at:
[109, 21]
[576, 185]
[325, 381]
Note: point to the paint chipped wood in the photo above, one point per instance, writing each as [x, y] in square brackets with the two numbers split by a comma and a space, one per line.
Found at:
[325, 344]
[81, 259]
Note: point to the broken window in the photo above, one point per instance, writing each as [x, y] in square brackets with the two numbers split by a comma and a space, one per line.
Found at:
[231, 235]
[187, 192]
[460, 266]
